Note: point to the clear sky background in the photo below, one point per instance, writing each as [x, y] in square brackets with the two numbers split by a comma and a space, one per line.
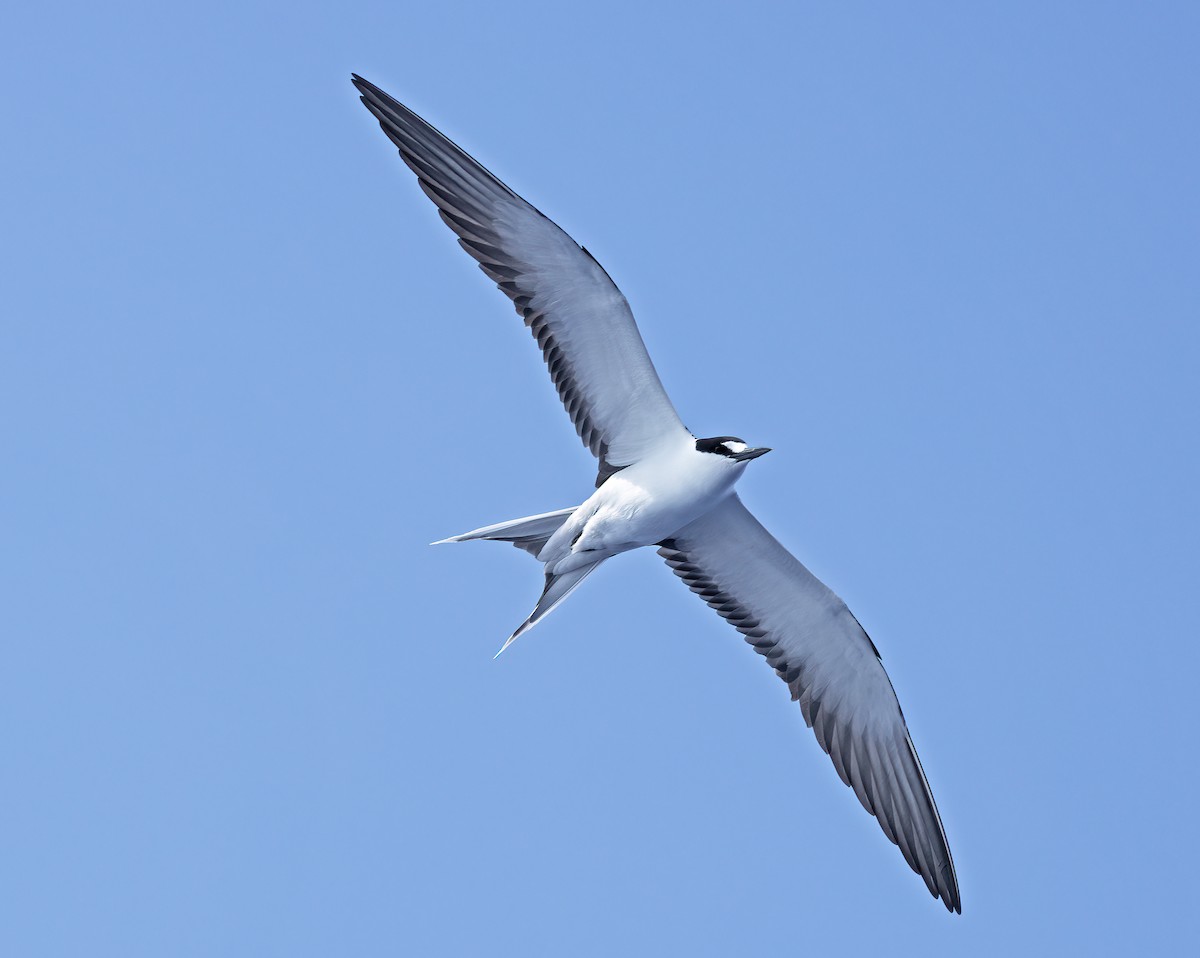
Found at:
[943, 257]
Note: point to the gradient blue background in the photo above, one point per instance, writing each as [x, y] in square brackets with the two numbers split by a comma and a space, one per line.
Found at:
[944, 260]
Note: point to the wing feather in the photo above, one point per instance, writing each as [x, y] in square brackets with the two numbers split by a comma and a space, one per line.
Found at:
[832, 668]
[582, 323]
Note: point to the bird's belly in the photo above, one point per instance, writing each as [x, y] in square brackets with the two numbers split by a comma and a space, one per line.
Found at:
[633, 515]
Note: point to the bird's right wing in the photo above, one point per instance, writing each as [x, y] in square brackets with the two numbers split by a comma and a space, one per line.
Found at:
[818, 648]
[581, 321]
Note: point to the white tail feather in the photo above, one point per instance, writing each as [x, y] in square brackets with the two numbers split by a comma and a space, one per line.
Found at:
[558, 587]
[514, 530]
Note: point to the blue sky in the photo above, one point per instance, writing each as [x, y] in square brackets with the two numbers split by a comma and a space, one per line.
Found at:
[943, 258]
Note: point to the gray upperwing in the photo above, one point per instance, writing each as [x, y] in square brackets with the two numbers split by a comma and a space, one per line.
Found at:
[582, 323]
[832, 668]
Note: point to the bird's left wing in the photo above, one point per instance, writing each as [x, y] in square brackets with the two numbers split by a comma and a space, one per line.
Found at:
[818, 648]
[580, 319]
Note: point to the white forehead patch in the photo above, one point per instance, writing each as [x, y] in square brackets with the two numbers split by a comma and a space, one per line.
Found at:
[735, 447]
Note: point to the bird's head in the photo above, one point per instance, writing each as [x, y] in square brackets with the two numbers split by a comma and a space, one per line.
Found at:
[731, 448]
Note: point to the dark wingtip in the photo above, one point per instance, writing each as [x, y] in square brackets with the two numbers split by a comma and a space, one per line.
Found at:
[952, 901]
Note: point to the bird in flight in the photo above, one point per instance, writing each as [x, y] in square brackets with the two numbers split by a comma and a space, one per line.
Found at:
[658, 485]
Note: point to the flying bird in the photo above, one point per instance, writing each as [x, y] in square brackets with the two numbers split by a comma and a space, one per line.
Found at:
[658, 485]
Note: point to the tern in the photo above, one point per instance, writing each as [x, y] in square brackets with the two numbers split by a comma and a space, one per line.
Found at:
[658, 485]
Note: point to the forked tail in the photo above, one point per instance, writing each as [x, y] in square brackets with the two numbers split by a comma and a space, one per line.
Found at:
[531, 534]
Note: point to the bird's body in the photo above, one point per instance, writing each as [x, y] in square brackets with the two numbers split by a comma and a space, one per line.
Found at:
[658, 485]
[641, 505]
